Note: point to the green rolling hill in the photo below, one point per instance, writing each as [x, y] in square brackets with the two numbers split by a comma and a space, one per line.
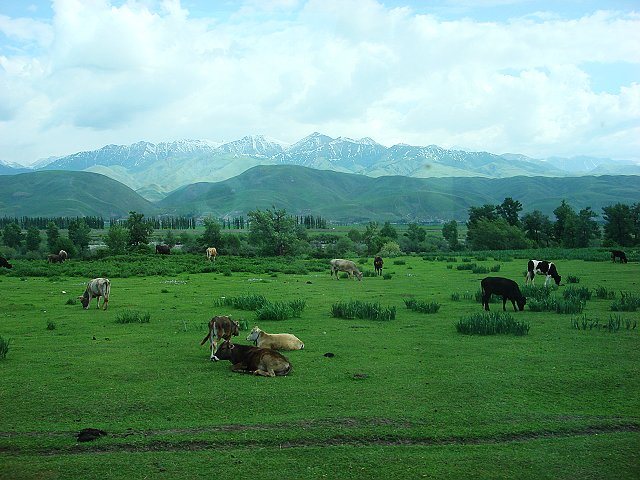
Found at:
[60, 193]
[350, 197]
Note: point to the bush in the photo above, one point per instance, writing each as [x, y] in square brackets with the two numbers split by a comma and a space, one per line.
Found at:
[573, 279]
[545, 304]
[386, 276]
[581, 293]
[4, 347]
[604, 293]
[570, 305]
[71, 301]
[628, 303]
[492, 323]
[466, 266]
[399, 262]
[539, 293]
[480, 269]
[420, 306]
[51, 325]
[131, 316]
[495, 268]
[455, 297]
[362, 310]
[246, 302]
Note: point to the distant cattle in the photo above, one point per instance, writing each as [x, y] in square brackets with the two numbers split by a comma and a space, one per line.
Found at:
[340, 265]
[255, 360]
[58, 257]
[504, 287]
[618, 254]
[96, 288]
[220, 327]
[275, 341]
[5, 263]
[542, 267]
[377, 264]
[163, 249]
[212, 253]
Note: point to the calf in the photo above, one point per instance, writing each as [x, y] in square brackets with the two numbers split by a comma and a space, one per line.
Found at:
[340, 265]
[542, 267]
[508, 289]
[5, 263]
[212, 253]
[255, 360]
[163, 249]
[220, 328]
[618, 254]
[96, 288]
[275, 341]
[377, 264]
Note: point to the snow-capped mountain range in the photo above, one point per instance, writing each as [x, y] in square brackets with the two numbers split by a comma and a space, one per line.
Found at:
[157, 169]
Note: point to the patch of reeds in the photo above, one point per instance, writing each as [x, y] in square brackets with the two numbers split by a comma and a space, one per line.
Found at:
[614, 324]
[51, 325]
[4, 347]
[362, 310]
[573, 279]
[243, 302]
[604, 293]
[492, 323]
[133, 316]
[280, 310]
[628, 302]
[581, 293]
[539, 292]
[71, 301]
[421, 306]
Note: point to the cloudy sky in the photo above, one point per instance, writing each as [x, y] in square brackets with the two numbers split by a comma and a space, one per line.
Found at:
[541, 78]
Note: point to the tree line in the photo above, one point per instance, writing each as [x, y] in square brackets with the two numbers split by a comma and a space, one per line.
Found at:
[41, 223]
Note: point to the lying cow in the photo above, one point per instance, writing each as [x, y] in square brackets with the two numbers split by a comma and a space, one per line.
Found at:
[542, 267]
[618, 254]
[58, 257]
[255, 360]
[508, 289]
[340, 265]
[96, 288]
[212, 253]
[220, 328]
[5, 263]
[275, 341]
[377, 264]
[163, 249]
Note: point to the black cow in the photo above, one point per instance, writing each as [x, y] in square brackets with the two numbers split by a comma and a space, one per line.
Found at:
[255, 360]
[377, 264]
[542, 267]
[163, 249]
[4, 263]
[618, 254]
[508, 289]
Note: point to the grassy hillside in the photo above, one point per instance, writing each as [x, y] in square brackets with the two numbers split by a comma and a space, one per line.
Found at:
[53, 193]
[351, 197]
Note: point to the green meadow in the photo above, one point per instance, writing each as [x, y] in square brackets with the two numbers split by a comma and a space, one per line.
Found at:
[406, 397]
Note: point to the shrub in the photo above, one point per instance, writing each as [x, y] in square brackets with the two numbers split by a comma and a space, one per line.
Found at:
[420, 306]
[546, 304]
[71, 301]
[466, 266]
[131, 316]
[362, 310]
[573, 279]
[492, 323]
[570, 305]
[581, 293]
[495, 268]
[164, 290]
[455, 297]
[245, 302]
[628, 303]
[480, 269]
[539, 293]
[386, 276]
[604, 293]
[4, 347]
[51, 325]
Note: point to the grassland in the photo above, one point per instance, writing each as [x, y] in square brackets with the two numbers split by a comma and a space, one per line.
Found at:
[404, 398]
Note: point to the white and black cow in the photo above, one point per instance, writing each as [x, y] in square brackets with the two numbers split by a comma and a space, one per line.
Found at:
[542, 267]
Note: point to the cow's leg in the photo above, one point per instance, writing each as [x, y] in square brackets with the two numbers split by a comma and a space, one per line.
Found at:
[513, 302]
[239, 368]
[485, 301]
[504, 304]
[265, 373]
[105, 303]
[546, 280]
[214, 348]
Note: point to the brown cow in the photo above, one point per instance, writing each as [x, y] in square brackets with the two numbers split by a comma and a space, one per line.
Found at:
[377, 264]
[58, 257]
[220, 328]
[212, 253]
[163, 249]
[255, 360]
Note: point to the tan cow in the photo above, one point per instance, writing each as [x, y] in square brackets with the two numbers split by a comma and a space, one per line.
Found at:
[340, 265]
[276, 341]
[220, 327]
[212, 252]
[96, 288]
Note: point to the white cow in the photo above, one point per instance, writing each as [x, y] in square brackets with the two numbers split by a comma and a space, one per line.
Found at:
[96, 288]
[340, 265]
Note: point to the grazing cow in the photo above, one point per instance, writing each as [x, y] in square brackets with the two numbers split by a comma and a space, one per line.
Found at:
[508, 289]
[339, 265]
[377, 264]
[212, 253]
[542, 267]
[96, 288]
[618, 254]
[163, 249]
[5, 263]
[275, 341]
[255, 360]
[63, 255]
[220, 328]
[55, 258]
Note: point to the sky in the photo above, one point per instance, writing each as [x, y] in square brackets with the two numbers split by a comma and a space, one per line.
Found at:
[539, 78]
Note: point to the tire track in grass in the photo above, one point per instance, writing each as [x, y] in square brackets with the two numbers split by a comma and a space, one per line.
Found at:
[336, 440]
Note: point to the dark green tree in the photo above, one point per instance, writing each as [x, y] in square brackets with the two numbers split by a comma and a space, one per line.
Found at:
[53, 235]
[211, 237]
[537, 227]
[586, 228]
[416, 233]
[79, 233]
[33, 239]
[564, 229]
[372, 238]
[12, 235]
[450, 234]
[619, 224]
[486, 211]
[117, 239]
[139, 230]
[273, 231]
[495, 235]
[510, 210]
[388, 231]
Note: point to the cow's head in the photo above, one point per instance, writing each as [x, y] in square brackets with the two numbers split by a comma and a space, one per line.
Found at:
[254, 335]
[521, 303]
[224, 350]
[358, 275]
[84, 300]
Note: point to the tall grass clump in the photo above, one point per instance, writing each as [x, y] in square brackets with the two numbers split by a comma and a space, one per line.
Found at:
[492, 323]
[573, 279]
[495, 268]
[363, 310]
[570, 305]
[547, 304]
[243, 302]
[420, 306]
[538, 292]
[455, 297]
[4, 347]
[280, 310]
[466, 266]
[604, 293]
[628, 303]
[132, 316]
[480, 269]
[581, 293]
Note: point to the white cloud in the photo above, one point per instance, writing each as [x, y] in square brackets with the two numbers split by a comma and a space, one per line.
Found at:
[118, 74]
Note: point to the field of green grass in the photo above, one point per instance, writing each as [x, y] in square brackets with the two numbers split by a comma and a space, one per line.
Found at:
[404, 398]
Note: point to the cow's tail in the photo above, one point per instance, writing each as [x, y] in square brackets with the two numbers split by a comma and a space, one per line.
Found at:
[204, 340]
[107, 290]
